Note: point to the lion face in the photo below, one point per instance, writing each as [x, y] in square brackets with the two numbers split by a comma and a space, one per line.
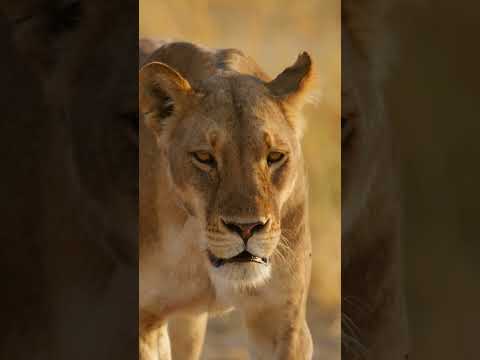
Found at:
[233, 153]
[233, 164]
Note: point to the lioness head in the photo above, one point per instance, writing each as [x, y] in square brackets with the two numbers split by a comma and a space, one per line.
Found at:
[232, 152]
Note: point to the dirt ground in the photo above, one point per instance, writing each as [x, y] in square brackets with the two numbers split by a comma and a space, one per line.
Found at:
[227, 338]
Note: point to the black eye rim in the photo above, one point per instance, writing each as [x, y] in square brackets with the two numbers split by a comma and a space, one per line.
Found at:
[346, 129]
[132, 119]
[211, 162]
[281, 159]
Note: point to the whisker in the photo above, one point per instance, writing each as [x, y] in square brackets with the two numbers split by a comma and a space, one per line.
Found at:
[285, 254]
[350, 337]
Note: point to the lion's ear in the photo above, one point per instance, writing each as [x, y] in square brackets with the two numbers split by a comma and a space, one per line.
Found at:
[292, 85]
[163, 92]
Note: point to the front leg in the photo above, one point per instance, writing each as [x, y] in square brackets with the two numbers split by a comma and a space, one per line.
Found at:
[154, 342]
[187, 333]
[276, 314]
[279, 332]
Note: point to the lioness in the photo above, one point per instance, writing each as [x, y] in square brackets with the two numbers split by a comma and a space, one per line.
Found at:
[223, 200]
[374, 318]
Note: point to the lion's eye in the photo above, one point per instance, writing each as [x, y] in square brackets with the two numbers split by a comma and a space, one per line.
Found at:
[275, 157]
[204, 157]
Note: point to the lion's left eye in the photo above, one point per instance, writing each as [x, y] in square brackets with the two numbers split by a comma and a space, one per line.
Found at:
[275, 157]
[204, 157]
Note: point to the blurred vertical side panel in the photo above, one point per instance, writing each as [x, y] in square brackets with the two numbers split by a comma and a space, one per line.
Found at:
[374, 316]
[433, 103]
[69, 149]
[23, 296]
[410, 179]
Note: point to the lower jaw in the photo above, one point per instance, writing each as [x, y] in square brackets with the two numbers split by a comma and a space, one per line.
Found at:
[240, 275]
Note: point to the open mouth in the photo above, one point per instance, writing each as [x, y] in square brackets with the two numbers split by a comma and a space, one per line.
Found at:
[243, 257]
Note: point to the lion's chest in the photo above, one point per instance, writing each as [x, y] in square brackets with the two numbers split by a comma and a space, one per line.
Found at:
[173, 273]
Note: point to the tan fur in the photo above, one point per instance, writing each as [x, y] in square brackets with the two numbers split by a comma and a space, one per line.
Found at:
[220, 101]
[374, 319]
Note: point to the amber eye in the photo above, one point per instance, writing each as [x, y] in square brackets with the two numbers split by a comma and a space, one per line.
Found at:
[275, 157]
[204, 157]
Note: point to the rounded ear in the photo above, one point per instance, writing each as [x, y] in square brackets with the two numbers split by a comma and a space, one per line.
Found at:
[292, 85]
[162, 92]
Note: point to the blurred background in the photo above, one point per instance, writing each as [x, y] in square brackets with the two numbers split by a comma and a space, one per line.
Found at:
[274, 32]
[433, 103]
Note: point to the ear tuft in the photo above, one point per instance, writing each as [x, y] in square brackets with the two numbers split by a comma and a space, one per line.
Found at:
[292, 85]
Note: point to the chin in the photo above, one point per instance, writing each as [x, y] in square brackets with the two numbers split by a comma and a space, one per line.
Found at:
[239, 276]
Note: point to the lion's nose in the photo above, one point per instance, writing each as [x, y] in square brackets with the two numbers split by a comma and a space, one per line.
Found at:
[245, 230]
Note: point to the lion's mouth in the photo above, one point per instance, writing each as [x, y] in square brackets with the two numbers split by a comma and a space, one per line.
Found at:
[243, 257]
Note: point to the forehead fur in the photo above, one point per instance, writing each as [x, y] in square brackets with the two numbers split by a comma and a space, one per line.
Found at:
[242, 95]
[235, 109]
[228, 85]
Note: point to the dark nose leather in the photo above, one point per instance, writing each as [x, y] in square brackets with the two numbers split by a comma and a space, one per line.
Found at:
[245, 230]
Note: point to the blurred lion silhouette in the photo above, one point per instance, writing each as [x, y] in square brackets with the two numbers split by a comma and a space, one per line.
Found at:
[373, 311]
[81, 57]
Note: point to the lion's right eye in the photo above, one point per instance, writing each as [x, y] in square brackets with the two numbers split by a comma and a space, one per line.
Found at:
[204, 157]
[275, 157]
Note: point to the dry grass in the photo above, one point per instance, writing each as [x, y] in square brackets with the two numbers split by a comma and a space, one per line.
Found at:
[274, 32]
